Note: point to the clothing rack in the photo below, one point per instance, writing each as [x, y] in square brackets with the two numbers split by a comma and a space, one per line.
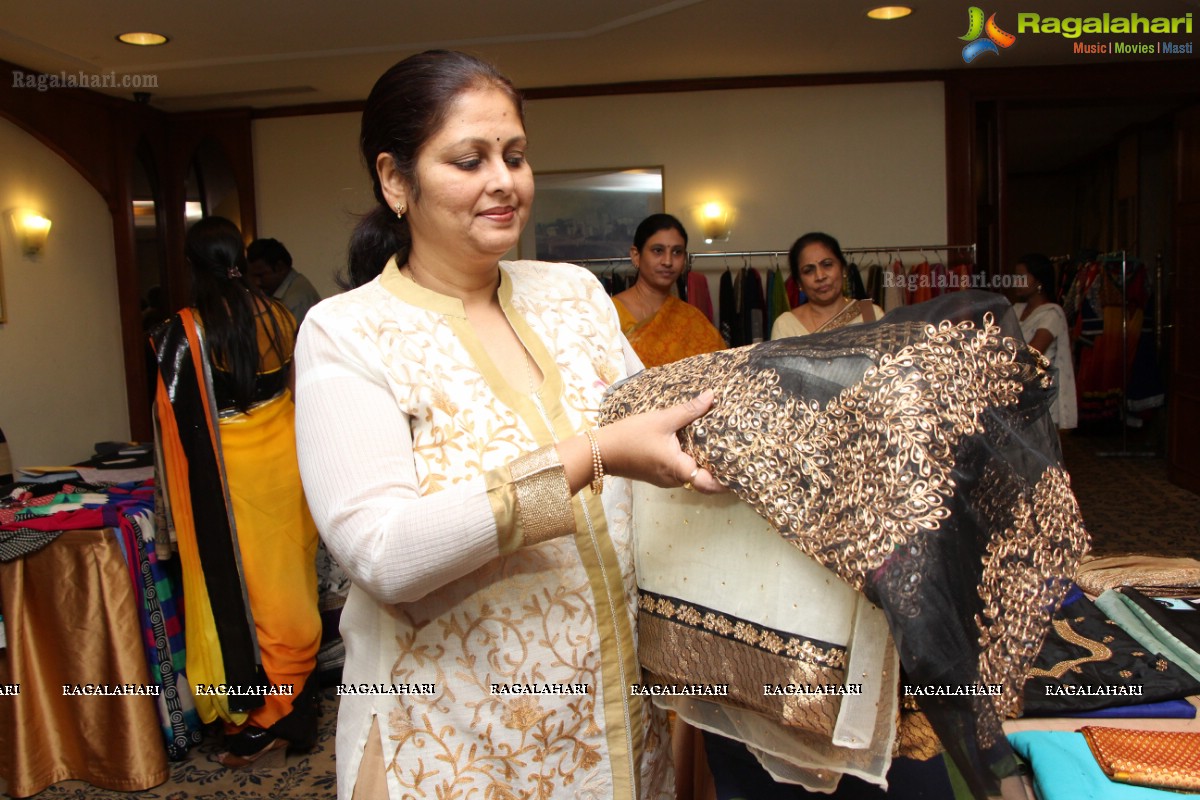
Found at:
[912, 248]
[593, 264]
[1124, 452]
[710, 264]
[623, 261]
[1158, 302]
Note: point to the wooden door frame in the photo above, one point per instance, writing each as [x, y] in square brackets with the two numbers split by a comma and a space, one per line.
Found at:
[1183, 392]
[100, 136]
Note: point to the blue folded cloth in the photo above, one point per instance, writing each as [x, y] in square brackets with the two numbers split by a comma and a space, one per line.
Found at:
[1166, 709]
[1065, 769]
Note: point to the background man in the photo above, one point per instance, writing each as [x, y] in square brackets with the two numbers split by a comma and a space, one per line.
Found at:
[271, 268]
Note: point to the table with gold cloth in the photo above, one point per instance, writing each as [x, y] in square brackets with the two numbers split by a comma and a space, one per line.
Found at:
[71, 618]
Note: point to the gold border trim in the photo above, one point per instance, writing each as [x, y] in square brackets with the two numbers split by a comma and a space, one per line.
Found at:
[760, 637]
[543, 497]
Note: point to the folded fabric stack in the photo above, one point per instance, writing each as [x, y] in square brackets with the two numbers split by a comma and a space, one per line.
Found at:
[1155, 576]
[1065, 768]
[1162, 759]
[1119, 651]
[1125, 655]
[34, 515]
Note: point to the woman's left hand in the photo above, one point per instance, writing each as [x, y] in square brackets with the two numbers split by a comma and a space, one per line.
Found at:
[645, 447]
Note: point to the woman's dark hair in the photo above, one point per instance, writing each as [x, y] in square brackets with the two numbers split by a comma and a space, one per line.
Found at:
[1042, 272]
[652, 225]
[407, 106]
[225, 300]
[812, 238]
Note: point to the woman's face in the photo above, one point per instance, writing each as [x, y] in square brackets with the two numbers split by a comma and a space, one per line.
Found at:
[820, 274]
[1024, 287]
[661, 260]
[476, 185]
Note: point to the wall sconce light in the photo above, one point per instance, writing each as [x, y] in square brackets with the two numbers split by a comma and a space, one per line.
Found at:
[716, 221]
[31, 230]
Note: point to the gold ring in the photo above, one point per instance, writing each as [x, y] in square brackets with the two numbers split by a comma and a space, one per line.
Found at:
[687, 485]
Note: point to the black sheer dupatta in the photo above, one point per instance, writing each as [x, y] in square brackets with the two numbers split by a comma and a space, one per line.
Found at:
[915, 457]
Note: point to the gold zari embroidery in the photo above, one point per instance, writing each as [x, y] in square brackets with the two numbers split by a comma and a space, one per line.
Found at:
[744, 632]
[543, 497]
[1096, 652]
[862, 482]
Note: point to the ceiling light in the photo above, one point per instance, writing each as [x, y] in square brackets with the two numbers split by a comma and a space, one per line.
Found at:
[142, 38]
[889, 12]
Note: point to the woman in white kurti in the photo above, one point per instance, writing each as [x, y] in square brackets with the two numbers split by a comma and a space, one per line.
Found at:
[1044, 325]
[445, 413]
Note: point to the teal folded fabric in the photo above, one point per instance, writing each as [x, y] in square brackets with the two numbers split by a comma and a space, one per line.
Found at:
[1148, 632]
[1065, 769]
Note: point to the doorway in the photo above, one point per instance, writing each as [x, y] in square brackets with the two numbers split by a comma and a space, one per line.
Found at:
[1090, 185]
[1141, 119]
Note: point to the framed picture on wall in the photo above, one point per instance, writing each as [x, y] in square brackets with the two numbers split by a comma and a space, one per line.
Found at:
[593, 213]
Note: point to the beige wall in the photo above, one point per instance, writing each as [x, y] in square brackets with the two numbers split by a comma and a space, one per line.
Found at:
[864, 163]
[62, 378]
[310, 184]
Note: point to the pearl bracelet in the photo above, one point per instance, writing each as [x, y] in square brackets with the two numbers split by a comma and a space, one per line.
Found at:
[597, 463]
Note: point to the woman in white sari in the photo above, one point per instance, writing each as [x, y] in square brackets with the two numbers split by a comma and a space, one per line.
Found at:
[819, 267]
[1044, 324]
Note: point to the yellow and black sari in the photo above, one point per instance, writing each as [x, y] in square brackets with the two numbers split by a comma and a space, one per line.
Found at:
[246, 541]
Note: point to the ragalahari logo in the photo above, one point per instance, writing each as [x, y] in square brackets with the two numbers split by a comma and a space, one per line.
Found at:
[996, 38]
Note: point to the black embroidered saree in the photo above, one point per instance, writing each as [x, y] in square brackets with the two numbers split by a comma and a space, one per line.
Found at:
[915, 458]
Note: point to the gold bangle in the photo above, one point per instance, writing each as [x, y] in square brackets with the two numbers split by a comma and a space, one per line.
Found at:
[597, 463]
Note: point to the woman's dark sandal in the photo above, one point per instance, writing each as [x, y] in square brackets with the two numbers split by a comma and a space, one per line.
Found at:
[251, 745]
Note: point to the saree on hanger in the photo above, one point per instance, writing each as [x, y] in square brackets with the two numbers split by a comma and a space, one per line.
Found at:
[915, 458]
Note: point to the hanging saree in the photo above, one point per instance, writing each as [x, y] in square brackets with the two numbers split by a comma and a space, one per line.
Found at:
[915, 458]
[814, 697]
[1110, 329]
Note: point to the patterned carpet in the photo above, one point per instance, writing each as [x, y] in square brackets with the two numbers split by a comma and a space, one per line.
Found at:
[1127, 502]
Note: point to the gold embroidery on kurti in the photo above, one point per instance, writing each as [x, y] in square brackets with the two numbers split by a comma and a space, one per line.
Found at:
[539, 615]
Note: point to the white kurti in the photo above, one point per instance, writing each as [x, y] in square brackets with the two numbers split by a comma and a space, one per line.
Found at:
[1050, 317]
[405, 430]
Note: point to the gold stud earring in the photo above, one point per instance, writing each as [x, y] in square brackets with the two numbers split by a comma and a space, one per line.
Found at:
[400, 209]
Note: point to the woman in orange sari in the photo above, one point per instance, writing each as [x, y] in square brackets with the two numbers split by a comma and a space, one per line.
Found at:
[661, 327]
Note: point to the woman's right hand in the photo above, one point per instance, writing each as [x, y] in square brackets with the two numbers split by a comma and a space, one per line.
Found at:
[645, 447]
